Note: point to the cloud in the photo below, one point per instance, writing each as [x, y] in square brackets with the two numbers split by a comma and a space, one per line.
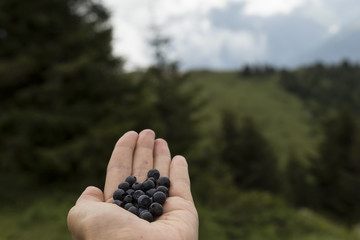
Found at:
[218, 48]
[266, 8]
[228, 33]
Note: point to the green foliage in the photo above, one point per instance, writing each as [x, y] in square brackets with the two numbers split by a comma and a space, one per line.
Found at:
[337, 169]
[256, 71]
[325, 87]
[44, 218]
[60, 87]
[173, 107]
[249, 155]
[257, 215]
[299, 187]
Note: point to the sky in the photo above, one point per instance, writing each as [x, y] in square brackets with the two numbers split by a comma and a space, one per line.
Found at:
[226, 34]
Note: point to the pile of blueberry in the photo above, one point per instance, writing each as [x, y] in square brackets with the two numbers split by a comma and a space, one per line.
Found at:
[143, 199]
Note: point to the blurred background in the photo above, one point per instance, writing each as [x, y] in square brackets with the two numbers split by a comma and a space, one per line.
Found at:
[262, 98]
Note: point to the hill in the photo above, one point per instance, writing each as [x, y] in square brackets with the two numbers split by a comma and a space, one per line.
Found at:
[280, 115]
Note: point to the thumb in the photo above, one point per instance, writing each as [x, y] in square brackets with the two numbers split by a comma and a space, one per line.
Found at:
[92, 194]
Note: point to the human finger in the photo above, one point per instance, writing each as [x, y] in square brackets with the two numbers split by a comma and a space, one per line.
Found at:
[92, 194]
[143, 156]
[179, 177]
[120, 164]
[162, 157]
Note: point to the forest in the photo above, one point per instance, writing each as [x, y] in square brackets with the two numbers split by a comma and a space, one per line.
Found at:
[273, 153]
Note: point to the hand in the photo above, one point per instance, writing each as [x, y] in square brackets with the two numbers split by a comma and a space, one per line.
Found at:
[94, 216]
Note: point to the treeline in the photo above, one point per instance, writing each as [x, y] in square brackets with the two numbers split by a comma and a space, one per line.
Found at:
[65, 99]
[325, 87]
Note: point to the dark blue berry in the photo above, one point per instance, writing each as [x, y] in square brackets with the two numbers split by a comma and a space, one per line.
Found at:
[156, 209]
[152, 179]
[142, 209]
[119, 203]
[137, 194]
[144, 201]
[163, 181]
[128, 205]
[148, 184]
[159, 197]
[124, 186]
[164, 190]
[146, 215]
[137, 186]
[130, 191]
[154, 173]
[151, 192]
[134, 210]
[128, 199]
[131, 180]
[119, 194]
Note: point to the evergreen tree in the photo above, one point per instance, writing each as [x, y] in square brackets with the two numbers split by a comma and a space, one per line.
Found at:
[173, 101]
[249, 155]
[337, 169]
[60, 88]
[299, 189]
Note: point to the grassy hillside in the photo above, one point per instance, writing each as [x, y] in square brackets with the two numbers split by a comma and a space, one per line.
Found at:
[280, 115]
[43, 218]
[257, 216]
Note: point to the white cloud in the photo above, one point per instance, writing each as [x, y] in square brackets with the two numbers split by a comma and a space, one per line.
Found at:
[199, 45]
[132, 20]
[320, 12]
[267, 8]
[127, 42]
[334, 29]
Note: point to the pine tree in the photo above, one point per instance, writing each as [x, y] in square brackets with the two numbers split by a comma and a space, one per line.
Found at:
[173, 101]
[337, 169]
[299, 189]
[249, 155]
[61, 89]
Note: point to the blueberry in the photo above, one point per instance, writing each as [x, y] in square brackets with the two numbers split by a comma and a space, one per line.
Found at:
[154, 173]
[156, 209]
[141, 210]
[124, 186]
[128, 205]
[144, 201]
[164, 190]
[131, 180]
[119, 194]
[152, 179]
[119, 203]
[159, 197]
[148, 184]
[128, 199]
[137, 194]
[163, 181]
[133, 210]
[151, 192]
[137, 186]
[130, 191]
[146, 215]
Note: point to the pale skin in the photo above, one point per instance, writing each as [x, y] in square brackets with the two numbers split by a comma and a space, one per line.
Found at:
[95, 217]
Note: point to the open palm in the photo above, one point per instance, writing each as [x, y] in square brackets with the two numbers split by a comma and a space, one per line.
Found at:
[95, 217]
